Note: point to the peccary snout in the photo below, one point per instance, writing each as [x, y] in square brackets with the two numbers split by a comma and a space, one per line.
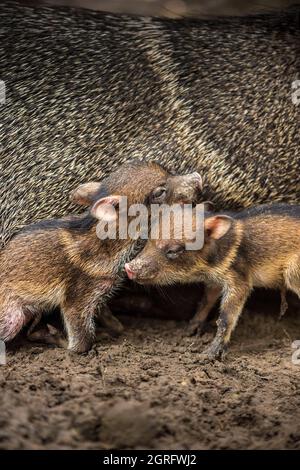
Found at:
[130, 273]
[142, 269]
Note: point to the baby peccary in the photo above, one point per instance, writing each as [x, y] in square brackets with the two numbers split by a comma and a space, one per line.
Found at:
[258, 247]
[63, 263]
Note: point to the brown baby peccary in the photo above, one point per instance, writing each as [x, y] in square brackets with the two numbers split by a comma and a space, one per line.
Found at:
[62, 262]
[257, 247]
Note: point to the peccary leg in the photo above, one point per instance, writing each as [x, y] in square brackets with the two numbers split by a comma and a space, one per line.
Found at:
[36, 321]
[283, 303]
[210, 297]
[51, 335]
[79, 309]
[105, 317]
[232, 305]
[15, 313]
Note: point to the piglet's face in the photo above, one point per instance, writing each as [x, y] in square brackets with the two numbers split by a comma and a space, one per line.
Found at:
[162, 262]
[165, 262]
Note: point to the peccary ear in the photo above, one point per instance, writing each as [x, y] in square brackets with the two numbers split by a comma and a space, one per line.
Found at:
[85, 194]
[105, 208]
[216, 227]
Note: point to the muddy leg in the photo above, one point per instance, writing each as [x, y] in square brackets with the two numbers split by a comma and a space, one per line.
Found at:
[210, 297]
[12, 318]
[80, 327]
[232, 305]
[78, 312]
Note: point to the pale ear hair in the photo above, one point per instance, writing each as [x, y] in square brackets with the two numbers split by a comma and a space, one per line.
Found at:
[84, 195]
[105, 208]
[218, 225]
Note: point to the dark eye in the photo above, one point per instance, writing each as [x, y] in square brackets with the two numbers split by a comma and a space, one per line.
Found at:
[159, 193]
[174, 252]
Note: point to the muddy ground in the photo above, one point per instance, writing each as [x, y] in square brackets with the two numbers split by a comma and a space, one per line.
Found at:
[146, 389]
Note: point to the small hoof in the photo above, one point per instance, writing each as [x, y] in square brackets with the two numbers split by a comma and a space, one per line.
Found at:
[80, 348]
[204, 359]
[215, 352]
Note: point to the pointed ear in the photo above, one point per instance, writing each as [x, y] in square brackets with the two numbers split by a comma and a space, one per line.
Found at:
[105, 208]
[85, 194]
[208, 206]
[217, 226]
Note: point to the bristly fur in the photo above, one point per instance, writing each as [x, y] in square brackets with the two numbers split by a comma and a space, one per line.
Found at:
[207, 95]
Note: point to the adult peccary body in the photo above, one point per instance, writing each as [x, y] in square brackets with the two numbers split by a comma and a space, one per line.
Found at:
[87, 91]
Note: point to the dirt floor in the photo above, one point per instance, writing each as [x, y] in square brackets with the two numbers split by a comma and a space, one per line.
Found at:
[146, 389]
